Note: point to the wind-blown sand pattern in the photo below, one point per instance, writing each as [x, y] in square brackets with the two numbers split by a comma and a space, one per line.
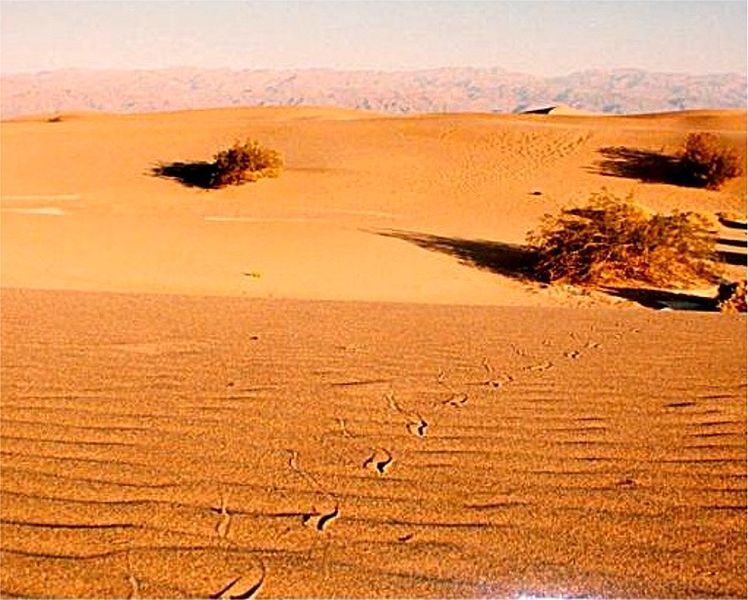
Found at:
[171, 427]
[171, 445]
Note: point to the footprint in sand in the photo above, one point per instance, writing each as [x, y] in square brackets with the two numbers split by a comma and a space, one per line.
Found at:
[492, 380]
[539, 368]
[318, 519]
[418, 429]
[309, 517]
[457, 400]
[222, 529]
[241, 588]
[573, 354]
[380, 460]
[328, 518]
[416, 424]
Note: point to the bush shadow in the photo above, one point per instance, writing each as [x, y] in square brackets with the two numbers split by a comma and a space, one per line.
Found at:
[661, 299]
[511, 260]
[191, 174]
[732, 257]
[731, 223]
[732, 243]
[643, 165]
[738, 259]
[518, 262]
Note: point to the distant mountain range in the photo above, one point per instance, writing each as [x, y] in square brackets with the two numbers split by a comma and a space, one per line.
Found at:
[401, 92]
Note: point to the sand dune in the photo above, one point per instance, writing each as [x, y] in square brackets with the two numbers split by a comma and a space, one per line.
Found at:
[560, 109]
[316, 231]
[167, 446]
[286, 389]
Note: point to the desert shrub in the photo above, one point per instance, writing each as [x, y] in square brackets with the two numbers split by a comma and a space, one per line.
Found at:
[708, 163]
[612, 240]
[731, 297]
[245, 162]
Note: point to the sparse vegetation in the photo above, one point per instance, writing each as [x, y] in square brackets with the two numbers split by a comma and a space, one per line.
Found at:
[55, 119]
[249, 161]
[707, 162]
[731, 297]
[238, 164]
[612, 240]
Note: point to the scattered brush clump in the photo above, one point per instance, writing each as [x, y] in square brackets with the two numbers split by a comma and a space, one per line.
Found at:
[245, 162]
[731, 297]
[612, 241]
[706, 162]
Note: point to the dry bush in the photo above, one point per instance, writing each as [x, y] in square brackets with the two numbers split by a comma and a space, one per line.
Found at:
[245, 162]
[612, 240]
[707, 162]
[731, 297]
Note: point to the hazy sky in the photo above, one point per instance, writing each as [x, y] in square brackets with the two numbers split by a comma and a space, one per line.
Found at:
[542, 38]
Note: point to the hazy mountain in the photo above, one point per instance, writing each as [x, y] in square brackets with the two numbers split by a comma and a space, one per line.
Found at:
[435, 90]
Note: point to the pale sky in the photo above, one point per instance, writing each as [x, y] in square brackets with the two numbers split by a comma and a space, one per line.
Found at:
[541, 38]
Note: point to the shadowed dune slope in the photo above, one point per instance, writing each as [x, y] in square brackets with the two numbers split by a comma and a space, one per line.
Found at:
[165, 446]
[89, 201]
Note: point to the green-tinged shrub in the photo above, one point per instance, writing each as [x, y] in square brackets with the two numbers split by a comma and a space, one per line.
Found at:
[707, 162]
[612, 240]
[249, 161]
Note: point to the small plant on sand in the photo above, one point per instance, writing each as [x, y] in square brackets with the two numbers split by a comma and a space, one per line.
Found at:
[731, 297]
[612, 240]
[245, 162]
[706, 162]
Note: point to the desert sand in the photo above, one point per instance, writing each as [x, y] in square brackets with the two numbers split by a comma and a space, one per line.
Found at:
[334, 383]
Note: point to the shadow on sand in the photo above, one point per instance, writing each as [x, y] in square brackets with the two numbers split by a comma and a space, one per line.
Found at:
[510, 260]
[660, 299]
[517, 261]
[643, 165]
[191, 174]
[731, 223]
[739, 259]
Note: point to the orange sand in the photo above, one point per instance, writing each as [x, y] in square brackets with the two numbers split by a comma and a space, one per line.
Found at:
[314, 233]
[269, 405]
